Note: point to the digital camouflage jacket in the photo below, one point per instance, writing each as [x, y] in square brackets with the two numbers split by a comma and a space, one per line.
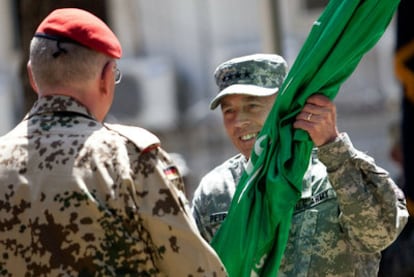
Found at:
[79, 198]
[349, 211]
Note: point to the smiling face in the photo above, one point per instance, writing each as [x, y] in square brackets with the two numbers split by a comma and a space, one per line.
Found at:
[244, 117]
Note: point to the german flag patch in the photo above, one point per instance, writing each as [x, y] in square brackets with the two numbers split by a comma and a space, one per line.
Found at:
[172, 173]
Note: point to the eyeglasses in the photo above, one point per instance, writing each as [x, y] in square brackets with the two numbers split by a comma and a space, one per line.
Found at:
[118, 75]
[115, 70]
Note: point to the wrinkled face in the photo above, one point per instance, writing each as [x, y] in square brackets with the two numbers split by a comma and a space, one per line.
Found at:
[244, 117]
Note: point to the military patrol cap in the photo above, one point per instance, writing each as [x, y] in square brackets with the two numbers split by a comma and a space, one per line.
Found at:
[257, 74]
[79, 26]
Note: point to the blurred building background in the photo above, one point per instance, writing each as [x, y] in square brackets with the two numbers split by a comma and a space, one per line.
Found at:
[171, 49]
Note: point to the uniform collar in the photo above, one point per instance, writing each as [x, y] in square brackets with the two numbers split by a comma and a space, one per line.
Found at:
[56, 104]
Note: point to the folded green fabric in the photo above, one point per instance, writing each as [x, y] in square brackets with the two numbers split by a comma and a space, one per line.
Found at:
[252, 239]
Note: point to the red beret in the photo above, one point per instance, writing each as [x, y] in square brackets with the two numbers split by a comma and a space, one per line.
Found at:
[82, 27]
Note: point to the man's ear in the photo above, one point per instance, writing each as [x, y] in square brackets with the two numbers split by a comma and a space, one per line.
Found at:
[107, 80]
[31, 79]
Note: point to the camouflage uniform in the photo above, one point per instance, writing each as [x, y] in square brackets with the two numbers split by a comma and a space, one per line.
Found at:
[339, 226]
[79, 198]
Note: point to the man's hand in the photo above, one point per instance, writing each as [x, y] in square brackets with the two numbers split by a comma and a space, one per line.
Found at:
[318, 118]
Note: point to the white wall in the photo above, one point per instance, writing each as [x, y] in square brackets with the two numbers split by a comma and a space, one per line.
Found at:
[9, 87]
[196, 35]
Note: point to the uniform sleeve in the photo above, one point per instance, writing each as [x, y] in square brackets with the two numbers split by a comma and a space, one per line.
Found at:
[372, 207]
[175, 245]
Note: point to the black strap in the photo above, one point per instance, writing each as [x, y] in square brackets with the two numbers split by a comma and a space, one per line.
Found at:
[59, 40]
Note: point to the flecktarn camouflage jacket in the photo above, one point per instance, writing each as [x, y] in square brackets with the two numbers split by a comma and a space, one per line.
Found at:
[79, 198]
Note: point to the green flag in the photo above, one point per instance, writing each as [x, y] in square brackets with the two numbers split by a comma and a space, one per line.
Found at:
[252, 239]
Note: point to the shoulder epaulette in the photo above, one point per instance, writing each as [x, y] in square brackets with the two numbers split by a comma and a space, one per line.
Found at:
[142, 138]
